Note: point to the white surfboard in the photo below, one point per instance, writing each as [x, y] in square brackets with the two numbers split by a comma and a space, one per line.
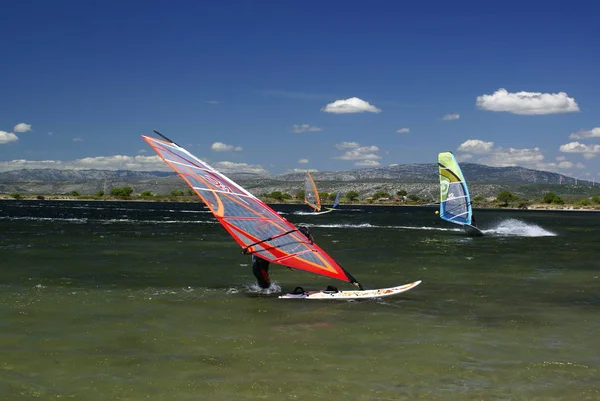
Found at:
[323, 212]
[322, 294]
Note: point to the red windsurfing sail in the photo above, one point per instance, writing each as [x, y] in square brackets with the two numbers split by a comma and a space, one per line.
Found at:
[253, 224]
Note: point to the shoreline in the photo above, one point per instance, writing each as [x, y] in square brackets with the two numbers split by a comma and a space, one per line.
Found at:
[535, 207]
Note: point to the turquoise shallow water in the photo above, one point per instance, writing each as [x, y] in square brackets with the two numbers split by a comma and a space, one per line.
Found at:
[136, 301]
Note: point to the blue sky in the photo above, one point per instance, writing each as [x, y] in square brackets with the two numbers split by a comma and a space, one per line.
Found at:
[500, 83]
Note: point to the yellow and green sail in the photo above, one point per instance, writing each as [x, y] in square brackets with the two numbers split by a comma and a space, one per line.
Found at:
[455, 201]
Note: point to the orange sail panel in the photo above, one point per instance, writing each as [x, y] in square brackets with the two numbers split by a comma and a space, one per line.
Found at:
[311, 195]
[249, 220]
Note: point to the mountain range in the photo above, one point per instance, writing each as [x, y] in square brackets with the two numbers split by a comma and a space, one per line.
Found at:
[420, 179]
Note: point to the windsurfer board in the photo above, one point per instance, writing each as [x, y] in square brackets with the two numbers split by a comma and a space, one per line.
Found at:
[322, 294]
[323, 212]
[472, 231]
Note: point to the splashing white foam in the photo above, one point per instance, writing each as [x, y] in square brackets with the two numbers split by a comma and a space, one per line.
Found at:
[519, 228]
[273, 289]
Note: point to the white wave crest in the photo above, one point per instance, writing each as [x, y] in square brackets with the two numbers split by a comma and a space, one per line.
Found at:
[72, 220]
[368, 225]
[108, 221]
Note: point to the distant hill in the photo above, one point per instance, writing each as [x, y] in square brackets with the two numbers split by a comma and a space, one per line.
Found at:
[474, 173]
[54, 175]
[420, 179]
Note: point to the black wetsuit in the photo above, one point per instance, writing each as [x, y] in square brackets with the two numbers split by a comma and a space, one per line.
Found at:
[260, 268]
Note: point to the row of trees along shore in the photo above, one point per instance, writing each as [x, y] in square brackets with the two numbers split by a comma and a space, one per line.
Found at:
[504, 199]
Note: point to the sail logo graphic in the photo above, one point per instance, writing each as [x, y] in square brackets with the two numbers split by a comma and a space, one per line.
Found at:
[444, 186]
[218, 184]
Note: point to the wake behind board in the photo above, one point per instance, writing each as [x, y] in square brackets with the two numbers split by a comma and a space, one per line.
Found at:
[383, 292]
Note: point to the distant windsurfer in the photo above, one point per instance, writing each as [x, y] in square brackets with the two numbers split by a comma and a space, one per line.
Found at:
[260, 266]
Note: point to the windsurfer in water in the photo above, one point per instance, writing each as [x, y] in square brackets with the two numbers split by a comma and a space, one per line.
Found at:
[260, 266]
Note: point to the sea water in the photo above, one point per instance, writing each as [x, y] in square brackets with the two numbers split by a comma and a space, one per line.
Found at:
[135, 301]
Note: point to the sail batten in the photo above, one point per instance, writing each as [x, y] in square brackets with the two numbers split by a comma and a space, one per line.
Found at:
[217, 190]
[455, 201]
[250, 222]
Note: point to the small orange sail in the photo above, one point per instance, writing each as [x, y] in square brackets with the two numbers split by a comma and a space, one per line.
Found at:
[311, 195]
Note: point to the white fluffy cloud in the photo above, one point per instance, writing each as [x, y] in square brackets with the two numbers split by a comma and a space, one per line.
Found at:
[303, 170]
[565, 164]
[367, 163]
[299, 128]
[527, 103]
[497, 156]
[232, 167]
[118, 162]
[351, 105]
[77, 139]
[303, 161]
[362, 155]
[347, 145]
[501, 157]
[222, 147]
[593, 133]
[22, 127]
[576, 147]
[476, 146]
[450, 117]
[463, 157]
[121, 162]
[403, 131]
[513, 157]
[7, 137]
